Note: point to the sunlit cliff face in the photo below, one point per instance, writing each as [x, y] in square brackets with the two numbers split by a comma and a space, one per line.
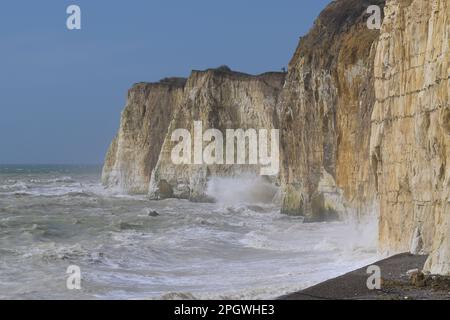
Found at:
[364, 123]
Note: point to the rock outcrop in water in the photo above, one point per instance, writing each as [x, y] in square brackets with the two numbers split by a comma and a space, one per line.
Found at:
[364, 119]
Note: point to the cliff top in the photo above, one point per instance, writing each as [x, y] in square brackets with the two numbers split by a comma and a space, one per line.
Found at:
[227, 71]
[339, 17]
[179, 82]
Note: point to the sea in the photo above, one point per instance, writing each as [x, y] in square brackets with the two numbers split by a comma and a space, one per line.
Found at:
[57, 217]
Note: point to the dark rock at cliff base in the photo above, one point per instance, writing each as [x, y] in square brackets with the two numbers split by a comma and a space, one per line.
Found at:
[165, 190]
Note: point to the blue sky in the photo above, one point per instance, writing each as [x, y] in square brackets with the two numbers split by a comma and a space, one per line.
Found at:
[62, 91]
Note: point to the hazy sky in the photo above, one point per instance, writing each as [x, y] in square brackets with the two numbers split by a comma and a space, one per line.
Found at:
[62, 91]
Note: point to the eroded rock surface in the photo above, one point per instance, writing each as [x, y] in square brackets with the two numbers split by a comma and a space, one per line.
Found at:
[410, 143]
[325, 110]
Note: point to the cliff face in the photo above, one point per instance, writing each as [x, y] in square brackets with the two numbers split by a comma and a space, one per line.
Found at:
[410, 143]
[364, 119]
[134, 152]
[324, 112]
[221, 99]
[139, 158]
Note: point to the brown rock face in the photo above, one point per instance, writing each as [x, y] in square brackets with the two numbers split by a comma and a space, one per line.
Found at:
[134, 152]
[325, 111]
[221, 99]
[410, 143]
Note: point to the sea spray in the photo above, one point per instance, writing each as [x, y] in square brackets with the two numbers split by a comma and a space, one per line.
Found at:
[236, 190]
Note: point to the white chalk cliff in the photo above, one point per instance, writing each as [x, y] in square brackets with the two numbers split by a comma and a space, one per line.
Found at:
[364, 117]
[410, 139]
